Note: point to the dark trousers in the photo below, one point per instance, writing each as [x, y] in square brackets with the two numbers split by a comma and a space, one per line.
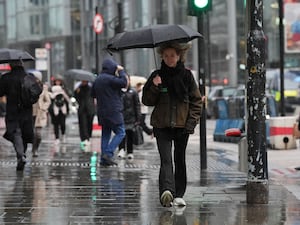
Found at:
[85, 125]
[168, 179]
[127, 141]
[19, 132]
[59, 122]
[37, 139]
[143, 124]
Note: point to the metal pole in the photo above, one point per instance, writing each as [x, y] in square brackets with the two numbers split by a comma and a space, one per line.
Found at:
[96, 48]
[257, 182]
[201, 72]
[208, 50]
[49, 67]
[121, 28]
[232, 40]
[281, 58]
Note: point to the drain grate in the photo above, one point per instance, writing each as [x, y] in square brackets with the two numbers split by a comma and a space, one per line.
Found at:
[192, 165]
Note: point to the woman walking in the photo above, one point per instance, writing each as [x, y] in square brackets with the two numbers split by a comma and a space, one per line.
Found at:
[59, 110]
[177, 103]
[40, 114]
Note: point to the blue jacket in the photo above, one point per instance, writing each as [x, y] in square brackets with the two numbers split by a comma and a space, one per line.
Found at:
[107, 90]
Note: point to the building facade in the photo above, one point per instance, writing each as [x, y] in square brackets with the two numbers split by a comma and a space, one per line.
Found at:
[66, 28]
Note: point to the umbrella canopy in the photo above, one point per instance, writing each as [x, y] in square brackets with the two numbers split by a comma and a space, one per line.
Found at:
[151, 36]
[79, 74]
[8, 55]
[137, 79]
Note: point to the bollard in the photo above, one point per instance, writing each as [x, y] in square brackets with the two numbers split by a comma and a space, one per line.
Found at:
[243, 155]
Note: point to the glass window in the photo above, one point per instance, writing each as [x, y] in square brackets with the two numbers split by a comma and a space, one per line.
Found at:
[35, 24]
[56, 16]
[2, 15]
[11, 32]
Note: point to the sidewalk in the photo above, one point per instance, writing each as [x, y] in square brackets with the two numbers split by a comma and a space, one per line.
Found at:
[64, 186]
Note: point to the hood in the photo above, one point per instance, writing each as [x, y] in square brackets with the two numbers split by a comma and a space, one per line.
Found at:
[56, 90]
[109, 66]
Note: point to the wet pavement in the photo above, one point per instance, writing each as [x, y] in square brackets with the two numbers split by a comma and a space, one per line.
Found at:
[65, 185]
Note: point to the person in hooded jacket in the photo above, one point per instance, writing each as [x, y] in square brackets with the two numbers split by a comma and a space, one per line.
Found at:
[107, 91]
[86, 112]
[18, 118]
[177, 102]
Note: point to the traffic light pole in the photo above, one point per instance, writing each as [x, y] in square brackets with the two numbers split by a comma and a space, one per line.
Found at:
[257, 182]
[281, 56]
[96, 48]
[201, 76]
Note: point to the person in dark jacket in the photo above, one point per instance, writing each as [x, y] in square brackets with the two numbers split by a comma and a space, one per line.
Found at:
[177, 103]
[132, 115]
[107, 91]
[86, 112]
[18, 119]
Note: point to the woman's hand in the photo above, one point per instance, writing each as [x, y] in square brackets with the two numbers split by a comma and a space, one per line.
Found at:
[156, 80]
[119, 67]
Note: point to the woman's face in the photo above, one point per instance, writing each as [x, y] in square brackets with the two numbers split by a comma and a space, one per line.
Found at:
[170, 57]
[58, 82]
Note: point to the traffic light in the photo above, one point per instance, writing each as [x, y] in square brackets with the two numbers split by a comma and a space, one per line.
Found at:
[197, 7]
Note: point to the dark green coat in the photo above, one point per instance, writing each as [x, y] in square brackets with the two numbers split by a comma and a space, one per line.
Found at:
[169, 112]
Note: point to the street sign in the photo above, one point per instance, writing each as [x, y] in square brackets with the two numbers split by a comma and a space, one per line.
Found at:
[98, 23]
[48, 45]
[41, 57]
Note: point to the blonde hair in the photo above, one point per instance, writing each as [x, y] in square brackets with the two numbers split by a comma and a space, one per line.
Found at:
[180, 48]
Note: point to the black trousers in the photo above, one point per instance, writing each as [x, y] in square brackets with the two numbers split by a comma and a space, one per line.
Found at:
[59, 123]
[19, 132]
[127, 142]
[174, 181]
[85, 122]
[143, 124]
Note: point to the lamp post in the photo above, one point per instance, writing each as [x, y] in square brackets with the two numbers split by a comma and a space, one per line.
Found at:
[257, 182]
[199, 8]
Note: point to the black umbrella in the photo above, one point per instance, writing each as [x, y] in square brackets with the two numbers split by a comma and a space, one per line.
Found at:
[8, 55]
[79, 74]
[152, 36]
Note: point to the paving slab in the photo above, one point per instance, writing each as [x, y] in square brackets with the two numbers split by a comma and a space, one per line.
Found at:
[64, 185]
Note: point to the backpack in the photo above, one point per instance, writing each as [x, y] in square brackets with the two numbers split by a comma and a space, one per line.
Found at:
[59, 100]
[31, 88]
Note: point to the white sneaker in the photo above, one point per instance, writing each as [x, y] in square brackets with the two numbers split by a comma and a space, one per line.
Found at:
[57, 141]
[86, 142]
[166, 198]
[179, 202]
[179, 210]
[122, 154]
[63, 138]
[130, 156]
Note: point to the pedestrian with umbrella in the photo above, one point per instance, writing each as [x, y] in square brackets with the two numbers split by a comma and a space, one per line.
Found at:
[86, 107]
[176, 99]
[18, 118]
[85, 112]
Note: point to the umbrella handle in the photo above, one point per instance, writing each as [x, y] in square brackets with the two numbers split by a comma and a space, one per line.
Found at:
[155, 58]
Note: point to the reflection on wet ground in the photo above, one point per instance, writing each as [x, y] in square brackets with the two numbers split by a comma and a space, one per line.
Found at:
[66, 185]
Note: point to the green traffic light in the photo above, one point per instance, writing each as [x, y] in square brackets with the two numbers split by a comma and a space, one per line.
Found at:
[198, 7]
[201, 3]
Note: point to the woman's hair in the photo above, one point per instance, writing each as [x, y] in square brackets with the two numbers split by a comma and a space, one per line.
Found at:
[180, 49]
